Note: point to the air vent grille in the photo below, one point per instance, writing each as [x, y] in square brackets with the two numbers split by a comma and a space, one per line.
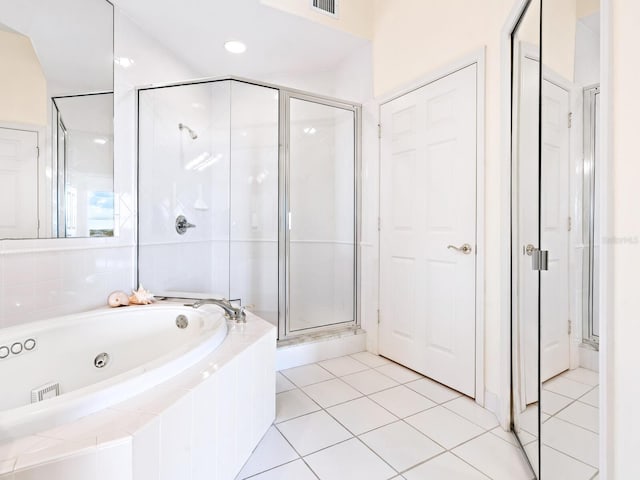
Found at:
[329, 7]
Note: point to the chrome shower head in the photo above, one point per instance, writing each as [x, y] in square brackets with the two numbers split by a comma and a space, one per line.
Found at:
[192, 134]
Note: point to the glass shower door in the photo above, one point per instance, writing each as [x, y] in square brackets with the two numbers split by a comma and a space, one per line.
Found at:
[320, 223]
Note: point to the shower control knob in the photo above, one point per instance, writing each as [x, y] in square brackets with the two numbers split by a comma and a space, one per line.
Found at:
[182, 224]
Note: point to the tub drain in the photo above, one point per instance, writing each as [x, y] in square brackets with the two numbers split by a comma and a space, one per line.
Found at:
[101, 360]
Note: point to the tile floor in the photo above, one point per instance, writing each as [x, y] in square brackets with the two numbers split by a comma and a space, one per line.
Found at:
[362, 417]
[570, 415]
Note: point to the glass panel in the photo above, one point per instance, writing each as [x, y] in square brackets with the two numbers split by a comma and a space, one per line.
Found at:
[525, 228]
[321, 217]
[570, 65]
[184, 142]
[254, 198]
[209, 152]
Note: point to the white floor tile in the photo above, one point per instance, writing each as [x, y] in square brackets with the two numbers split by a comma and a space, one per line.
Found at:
[293, 403]
[445, 427]
[399, 373]
[313, 432]
[445, 467]
[572, 440]
[342, 366]
[402, 401]
[331, 392]
[566, 387]
[433, 390]
[510, 437]
[361, 415]
[273, 450]
[581, 414]
[467, 408]
[400, 445]
[591, 398]
[350, 460]
[582, 375]
[307, 374]
[297, 470]
[370, 359]
[369, 381]
[558, 466]
[495, 458]
[283, 384]
[552, 403]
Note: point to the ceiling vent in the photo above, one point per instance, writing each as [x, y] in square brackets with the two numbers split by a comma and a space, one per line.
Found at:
[328, 7]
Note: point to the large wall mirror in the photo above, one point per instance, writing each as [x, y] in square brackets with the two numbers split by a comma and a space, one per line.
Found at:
[555, 245]
[56, 119]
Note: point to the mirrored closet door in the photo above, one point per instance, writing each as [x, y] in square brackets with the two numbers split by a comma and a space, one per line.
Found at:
[555, 237]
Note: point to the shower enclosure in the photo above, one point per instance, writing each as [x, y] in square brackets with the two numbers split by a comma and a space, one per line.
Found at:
[249, 192]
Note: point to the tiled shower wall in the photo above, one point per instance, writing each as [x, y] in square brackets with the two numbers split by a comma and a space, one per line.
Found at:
[44, 278]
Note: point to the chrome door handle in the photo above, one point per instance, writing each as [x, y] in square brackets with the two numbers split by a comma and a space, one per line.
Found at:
[528, 250]
[466, 248]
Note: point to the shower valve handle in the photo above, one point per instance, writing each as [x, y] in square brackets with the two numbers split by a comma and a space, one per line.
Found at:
[182, 224]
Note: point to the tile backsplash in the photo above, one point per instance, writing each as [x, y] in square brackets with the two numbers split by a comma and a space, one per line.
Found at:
[38, 285]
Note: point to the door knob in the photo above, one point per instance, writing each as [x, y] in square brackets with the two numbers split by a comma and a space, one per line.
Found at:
[528, 249]
[466, 248]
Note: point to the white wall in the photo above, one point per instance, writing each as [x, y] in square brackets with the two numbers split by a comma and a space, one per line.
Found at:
[354, 16]
[623, 245]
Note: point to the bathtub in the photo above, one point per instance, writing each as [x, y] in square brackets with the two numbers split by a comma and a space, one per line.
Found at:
[144, 346]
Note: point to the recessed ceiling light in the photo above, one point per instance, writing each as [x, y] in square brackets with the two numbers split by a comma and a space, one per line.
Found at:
[124, 61]
[99, 141]
[235, 46]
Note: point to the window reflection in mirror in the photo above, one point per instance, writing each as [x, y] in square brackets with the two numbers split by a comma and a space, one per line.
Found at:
[56, 110]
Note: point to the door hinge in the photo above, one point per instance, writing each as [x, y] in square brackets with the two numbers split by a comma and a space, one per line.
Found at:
[379, 131]
[569, 329]
[569, 118]
[569, 224]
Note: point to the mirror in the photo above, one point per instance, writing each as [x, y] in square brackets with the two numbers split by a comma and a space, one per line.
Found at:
[56, 119]
[569, 232]
[525, 229]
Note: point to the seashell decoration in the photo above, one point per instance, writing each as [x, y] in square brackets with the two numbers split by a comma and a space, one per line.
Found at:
[141, 297]
[118, 299]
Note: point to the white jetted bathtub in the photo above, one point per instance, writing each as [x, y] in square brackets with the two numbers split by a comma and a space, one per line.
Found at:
[179, 390]
[55, 371]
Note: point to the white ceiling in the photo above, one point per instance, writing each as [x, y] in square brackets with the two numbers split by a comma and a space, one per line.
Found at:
[277, 42]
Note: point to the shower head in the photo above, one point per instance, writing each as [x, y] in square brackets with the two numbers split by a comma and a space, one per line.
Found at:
[192, 134]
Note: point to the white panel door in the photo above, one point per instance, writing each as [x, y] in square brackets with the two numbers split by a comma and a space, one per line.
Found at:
[18, 183]
[428, 203]
[554, 232]
[528, 187]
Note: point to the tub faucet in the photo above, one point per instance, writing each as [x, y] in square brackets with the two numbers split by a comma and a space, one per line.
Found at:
[233, 313]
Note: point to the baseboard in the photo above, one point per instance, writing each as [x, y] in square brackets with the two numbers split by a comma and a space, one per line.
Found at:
[311, 351]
